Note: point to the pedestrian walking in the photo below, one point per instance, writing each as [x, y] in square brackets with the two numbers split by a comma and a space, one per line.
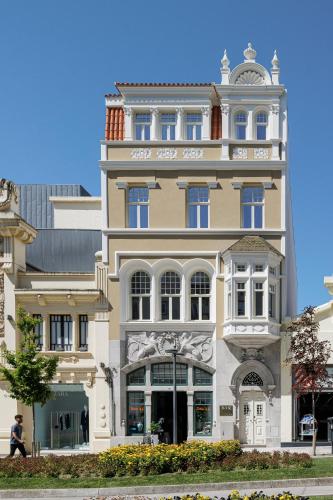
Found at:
[16, 441]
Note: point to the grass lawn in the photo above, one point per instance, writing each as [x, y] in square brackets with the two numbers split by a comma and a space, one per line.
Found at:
[320, 468]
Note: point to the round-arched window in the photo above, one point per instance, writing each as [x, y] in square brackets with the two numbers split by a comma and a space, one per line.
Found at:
[170, 295]
[253, 378]
[240, 120]
[261, 126]
[140, 295]
[200, 296]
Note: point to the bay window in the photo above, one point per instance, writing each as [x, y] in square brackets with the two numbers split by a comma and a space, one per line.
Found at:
[170, 296]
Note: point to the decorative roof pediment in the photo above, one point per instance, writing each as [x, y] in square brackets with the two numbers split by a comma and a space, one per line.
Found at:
[250, 73]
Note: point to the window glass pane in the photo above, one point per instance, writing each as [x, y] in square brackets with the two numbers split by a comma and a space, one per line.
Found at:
[258, 303]
[240, 303]
[175, 307]
[202, 409]
[203, 215]
[162, 374]
[246, 216]
[240, 117]
[261, 118]
[83, 331]
[147, 132]
[201, 377]
[135, 307]
[172, 132]
[258, 216]
[140, 283]
[198, 132]
[193, 117]
[145, 307]
[165, 308]
[132, 216]
[170, 283]
[138, 195]
[135, 413]
[137, 377]
[192, 216]
[200, 283]
[205, 308]
[194, 308]
[168, 118]
[164, 132]
[240, 132]
[138, 132]
[143, 216]
[189, 132]
[39, 330]
[261, 132]
[142, 118]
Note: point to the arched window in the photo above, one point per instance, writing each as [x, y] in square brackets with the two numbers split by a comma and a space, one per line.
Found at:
[240, 125]
[253, 378]
[170, 296]
[200, 293]
[261, 126]
[140, 295]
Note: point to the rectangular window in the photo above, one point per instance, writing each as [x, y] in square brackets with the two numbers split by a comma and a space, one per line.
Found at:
[142, 126]
[193, 126]
[252, 204]
[259, 268]
[138, 203]
[137, 377]
[202, 413]
[272, 270]
[241, 268]
[162, 374]
[229, 302]
[240, 291]
[135, 413]
[168, 126]
[83, 332]
[272, 302]
[170, 308]
[61, 332]
[198, 202]
[258, 299]
[201, 377]
[39, 330]
[261, 132]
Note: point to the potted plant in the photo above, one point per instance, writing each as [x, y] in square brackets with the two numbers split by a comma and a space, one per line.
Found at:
[154, 428]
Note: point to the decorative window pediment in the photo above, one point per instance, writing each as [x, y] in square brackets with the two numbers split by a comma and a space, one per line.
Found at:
[250, 78]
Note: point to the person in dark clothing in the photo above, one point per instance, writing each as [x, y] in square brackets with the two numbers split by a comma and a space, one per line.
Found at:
[16, 441]
[85, 424]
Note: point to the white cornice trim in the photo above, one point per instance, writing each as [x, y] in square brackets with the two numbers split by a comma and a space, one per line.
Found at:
[190, 232]
[166, 144]
[193, 165]
[75, 199]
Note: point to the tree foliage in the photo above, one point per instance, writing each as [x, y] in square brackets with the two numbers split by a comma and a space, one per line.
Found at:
[28, 372]
[307, 354]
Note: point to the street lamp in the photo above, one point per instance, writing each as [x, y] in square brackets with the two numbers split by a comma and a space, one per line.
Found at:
[174, 351]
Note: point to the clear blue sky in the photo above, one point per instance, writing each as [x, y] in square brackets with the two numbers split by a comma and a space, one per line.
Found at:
[59, 58]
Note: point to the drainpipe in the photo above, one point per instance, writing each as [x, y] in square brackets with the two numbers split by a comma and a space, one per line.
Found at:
[109, 373]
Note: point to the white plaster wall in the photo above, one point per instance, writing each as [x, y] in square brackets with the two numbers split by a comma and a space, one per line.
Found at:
[83, 213]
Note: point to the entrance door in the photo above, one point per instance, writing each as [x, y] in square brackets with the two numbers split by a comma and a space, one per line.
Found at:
[162, 407]
[253, 418]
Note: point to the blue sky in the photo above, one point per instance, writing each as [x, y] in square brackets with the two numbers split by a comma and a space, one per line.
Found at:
[59, 58]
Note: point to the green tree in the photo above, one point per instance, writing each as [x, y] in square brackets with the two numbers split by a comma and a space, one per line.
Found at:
[26, 370]
[308, 357]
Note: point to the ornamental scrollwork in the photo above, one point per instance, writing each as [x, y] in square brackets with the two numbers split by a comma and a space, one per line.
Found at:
[188, 344]
[166, 153]
[141, 154]
[239, 153]
[261, 153]
[192, 154]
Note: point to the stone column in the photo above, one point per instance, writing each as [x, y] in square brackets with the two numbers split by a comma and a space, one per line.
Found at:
[225, 110]
[128, 123]
[180, 124]
[154, 124]
[190, 432]
[148, 409]
[206, 122]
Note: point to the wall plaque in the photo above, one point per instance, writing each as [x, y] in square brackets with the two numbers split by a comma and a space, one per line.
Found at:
[226, 410]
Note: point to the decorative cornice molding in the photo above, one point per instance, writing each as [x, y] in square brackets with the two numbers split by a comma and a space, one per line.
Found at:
[182, 184]
[121, 185]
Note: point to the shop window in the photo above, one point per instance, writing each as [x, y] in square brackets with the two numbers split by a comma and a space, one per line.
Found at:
[201, 377]
[135, 413]
[162, 374]
[61, 332]
[253, 378]
[137, 377]
[200, 294]
[83, 332]
[202, 409]
[170, 296]
[38, 331]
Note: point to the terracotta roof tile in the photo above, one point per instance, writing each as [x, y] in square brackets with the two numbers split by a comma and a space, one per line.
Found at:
[159, 84]
[253, 244]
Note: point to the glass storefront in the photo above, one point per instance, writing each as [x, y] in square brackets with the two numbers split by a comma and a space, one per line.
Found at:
[135, 413]
[162, 374]
[63, 422]
[202, 408]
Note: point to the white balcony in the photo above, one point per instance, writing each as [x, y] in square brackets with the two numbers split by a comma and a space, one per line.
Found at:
[251, 333]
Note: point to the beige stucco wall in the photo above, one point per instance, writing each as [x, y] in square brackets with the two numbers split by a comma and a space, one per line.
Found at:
[124, 153]
[167, 203]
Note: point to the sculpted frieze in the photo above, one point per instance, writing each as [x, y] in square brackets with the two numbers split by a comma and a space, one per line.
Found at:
[189, 344]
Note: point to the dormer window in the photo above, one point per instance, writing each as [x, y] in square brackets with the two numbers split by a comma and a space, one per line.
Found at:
[142, 126]
[168, 126]
[240, 125]
[261, 126]
[193, 126]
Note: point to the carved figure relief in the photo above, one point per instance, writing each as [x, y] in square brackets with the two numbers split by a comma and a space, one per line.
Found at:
[188, 344]
[7, 193]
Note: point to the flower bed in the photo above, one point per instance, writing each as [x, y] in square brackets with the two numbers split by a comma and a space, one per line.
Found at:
[234, 495]
[192, 456]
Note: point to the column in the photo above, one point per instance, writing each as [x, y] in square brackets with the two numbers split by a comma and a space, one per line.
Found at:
[274, 129]
[46, 332]
[75, 321]
[128, 124]
[250, 135]
[154, 124]
[225, 110]
[206, 122]
[190, 414]
[148, 410]
[180, 124]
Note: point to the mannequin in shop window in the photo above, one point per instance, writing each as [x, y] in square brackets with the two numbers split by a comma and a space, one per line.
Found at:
[85, 424]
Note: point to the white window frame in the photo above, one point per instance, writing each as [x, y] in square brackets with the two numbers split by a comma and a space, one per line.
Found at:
[198, 204]
[240, 123]
[256, 124]
[142, 126]
[200, 297]
[140, 296]
[171, 296]
[253, 204]
[193, 124]
[272, 292]
[138, 204]
[255, 292]
[237, 289]
[168, 125]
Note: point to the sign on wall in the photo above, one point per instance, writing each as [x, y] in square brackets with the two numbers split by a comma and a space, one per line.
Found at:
[226, 410]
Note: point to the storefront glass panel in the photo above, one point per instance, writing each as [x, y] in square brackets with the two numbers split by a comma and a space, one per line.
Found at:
[202, 409]
[135, 413]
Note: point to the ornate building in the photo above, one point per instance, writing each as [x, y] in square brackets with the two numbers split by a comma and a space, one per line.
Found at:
[197, 254]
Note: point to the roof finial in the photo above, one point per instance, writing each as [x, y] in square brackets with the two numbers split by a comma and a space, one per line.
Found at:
[249, 53]
[275, 61]
[225, 61]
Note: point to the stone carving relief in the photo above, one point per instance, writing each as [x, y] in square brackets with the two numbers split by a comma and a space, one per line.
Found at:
[2, 304]
[7, 193]
[141, 154]
[225, 108]
[167, 153]
[239, 153]
[188, 344]
[261, 153]
[250, 78]
[192, 154]
[252, 353]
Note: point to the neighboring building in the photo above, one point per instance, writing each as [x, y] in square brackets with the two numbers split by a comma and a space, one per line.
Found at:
[198, 239]
[197, 252]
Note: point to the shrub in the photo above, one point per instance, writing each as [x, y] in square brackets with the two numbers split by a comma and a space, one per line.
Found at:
[265, 460]
[235, 495]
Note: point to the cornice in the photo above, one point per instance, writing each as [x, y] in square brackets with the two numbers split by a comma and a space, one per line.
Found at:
[192, 232]
[166, 144]
[193, 165]
[16, 227]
